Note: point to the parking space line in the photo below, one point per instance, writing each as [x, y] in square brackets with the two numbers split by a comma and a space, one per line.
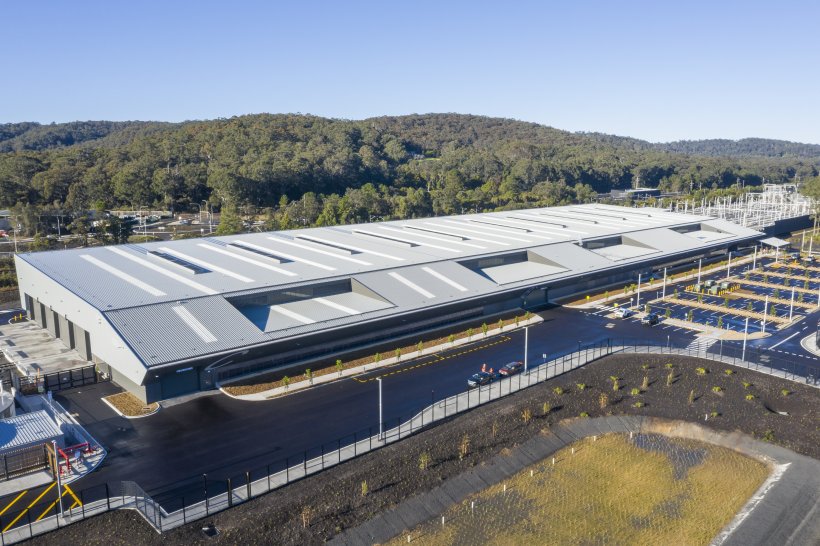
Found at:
[439, 358]
[17, 498]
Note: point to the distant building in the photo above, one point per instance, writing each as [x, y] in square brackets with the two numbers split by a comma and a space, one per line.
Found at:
[636, 193]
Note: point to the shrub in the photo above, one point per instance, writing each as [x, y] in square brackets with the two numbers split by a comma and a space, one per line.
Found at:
[500, 324]
[670, 378]
[645, 366]
[616, 385]
[581, 386]
[464, 447]
[377, 357]
[776, 293]
[309, 375]
[701, 371]
[495, 428]
[773, 311]
[364, 488]
[638, 404]
[667, 313]
[603, 400]
[746, 384]
[558, 390]
[749, 306]
[286, 382]
[714, 414]
[717, 389]
[613, 378]
[484, 329]
[768, 436]
[339, 367]
[419, 347]
[725, 301]
[635, 391]
[669, 365]
[451, 338]
[645, 383]
[785, 392]
[720, 322]
[750, 396]
[526, 415]
[398, 354]
[690, 315]
[583, 414]
[307, 515]
[469, 333]
[424, 460]
[728, 371]
[546, 408]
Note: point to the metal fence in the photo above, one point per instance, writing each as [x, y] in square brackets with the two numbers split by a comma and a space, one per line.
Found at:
[57, 381]
[200, 496]
[23, 461]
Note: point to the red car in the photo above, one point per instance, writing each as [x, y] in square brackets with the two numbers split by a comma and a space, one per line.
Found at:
[511, 369]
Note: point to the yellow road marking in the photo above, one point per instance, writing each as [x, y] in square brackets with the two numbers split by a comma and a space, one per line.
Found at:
[439, 358]
[76, 500]
[12, 502]
[35, 501]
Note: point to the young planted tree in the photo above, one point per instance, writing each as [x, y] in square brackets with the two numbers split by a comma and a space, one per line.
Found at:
[398, 355]
[424, 461]
[339, 367]
[419, 347]
[309, 375]
[603, 400]
[484, 329]
[286, 382]
[464, 447]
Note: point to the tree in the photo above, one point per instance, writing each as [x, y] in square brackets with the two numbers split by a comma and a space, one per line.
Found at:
[229, 222]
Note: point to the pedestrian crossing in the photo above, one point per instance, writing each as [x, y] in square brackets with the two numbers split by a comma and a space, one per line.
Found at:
[701, 344]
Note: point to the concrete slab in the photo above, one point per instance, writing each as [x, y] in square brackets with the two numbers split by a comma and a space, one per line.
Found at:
[29, 481]
[33, 350]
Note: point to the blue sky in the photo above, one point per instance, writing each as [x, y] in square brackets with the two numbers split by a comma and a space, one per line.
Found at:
[653, 70]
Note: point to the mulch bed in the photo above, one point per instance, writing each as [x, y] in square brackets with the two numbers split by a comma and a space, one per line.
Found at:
[393, 474]
[131, 406]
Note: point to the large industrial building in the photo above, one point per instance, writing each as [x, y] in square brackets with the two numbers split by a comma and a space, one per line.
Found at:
[170, 318]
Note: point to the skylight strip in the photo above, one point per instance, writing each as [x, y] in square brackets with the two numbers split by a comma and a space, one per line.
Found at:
[337, 306]
[291, 314]
[471, 232]
[433, 237]
[122, 275]
[615, 216]
[198, 328]
[447, 280]
[351, 247]
[245, 259]
[603, 207]
[508, 230]
[410, 284]
[474, 228]
[163, 271]
[545, 228]
[203, 263]
[428, 230]
[403, 240]
[324, 252]
[292, 257]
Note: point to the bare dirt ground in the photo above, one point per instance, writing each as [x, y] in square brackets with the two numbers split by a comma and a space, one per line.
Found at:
[334, 497]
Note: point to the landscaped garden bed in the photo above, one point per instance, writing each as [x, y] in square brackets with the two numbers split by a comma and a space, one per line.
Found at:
[315, 509]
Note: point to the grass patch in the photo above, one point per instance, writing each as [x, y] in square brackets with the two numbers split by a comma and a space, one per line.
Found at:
[648, 500]
[131, 406]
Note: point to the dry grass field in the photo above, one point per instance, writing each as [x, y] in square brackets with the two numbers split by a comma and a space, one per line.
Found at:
[615, 490]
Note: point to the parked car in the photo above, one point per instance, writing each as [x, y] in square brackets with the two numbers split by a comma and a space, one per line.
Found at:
[623, 312]
[511, 369]
[478, 379]
[651, 319]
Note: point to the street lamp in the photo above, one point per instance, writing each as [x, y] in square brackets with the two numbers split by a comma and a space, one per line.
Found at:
[526, 343]
[381, 419]
[745, 335]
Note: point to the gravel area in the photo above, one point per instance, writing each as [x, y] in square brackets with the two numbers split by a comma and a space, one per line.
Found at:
[131, 406]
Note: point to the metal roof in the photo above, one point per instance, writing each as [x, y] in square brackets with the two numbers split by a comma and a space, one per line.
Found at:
[774, 242]
[177, 300]
[26, 429]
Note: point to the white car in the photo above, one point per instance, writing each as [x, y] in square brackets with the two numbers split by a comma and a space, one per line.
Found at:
[623, 312]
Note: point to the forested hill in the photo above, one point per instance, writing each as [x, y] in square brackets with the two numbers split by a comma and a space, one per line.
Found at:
[343, 170]
[34, 136]
[742, 148]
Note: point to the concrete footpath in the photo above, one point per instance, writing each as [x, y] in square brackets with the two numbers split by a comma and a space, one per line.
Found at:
[783, 511]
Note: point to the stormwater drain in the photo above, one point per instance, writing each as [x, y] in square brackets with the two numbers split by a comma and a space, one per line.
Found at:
[210, 530]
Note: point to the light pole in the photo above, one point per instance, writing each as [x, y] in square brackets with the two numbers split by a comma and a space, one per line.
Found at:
[791, 305]
[700, 264]
[754, 260]
[728, 265]
[59, 481]
[526, 344]
[765, 314]
[638, 296]
[381, 420]
[664, 284]
[745, 335]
